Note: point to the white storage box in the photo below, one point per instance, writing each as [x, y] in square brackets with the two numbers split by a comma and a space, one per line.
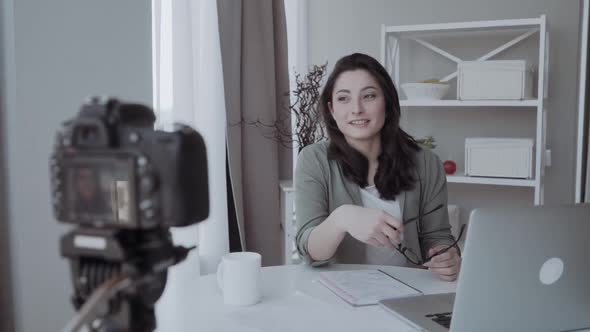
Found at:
[499, 157]
[494, 80]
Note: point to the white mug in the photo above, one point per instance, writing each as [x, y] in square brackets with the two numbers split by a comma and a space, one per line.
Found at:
[238, 277]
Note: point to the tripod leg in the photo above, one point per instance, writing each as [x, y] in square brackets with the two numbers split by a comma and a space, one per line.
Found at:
[101, 295]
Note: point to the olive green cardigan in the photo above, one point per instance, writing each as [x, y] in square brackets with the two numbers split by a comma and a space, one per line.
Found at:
[321, 187]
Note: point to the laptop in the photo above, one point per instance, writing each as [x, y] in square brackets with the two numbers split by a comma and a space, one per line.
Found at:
[523, 269]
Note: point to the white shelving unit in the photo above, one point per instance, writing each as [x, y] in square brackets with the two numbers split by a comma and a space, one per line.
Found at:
[457, 178]
[288, 224]
[471, 103]
[521, 29]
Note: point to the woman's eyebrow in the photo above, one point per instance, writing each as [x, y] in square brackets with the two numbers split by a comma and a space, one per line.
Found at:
[363, 89]
[368, 87]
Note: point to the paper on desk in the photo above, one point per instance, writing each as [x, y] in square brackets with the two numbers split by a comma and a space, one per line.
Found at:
[300, 312]
[366, 287]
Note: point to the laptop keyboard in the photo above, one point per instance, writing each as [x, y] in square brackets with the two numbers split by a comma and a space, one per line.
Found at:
[443, 319]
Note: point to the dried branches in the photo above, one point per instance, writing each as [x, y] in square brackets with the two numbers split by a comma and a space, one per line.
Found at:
[309, 127]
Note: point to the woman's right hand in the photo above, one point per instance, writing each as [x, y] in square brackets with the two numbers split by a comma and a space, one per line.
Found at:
[372, 226]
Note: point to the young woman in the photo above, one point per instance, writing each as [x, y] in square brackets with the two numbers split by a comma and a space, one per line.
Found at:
[371, 195]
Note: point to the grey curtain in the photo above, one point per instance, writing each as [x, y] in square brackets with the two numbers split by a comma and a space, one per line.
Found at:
[585, 197]
[586, 149]
[6, 314]
[253, 38]
[5, 271]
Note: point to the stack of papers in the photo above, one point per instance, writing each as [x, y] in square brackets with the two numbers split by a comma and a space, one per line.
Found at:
[366, 287]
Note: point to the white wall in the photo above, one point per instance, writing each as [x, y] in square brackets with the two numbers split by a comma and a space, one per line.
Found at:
[340, 27]
[64, 50]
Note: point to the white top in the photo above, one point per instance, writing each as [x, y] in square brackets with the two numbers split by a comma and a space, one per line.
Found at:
[380, 255]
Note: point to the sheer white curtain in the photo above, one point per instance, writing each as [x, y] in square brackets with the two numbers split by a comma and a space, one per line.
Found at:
[296, 15]
[188, 88]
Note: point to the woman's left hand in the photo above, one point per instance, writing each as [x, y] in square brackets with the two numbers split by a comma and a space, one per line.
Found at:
[446, 265]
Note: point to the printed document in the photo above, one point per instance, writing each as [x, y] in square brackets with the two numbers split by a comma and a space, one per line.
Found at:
[366, 287]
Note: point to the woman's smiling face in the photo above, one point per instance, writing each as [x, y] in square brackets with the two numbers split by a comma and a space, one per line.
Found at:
[358, 106]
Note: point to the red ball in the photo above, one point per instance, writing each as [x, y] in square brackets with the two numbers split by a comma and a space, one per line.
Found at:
[450, 167]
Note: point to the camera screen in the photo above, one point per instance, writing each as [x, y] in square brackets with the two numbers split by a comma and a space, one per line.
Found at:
[101, 190]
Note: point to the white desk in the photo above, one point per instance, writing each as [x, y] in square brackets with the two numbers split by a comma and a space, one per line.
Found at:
[293, 300]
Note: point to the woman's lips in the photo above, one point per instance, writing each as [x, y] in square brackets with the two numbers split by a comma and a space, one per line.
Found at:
[359, 123]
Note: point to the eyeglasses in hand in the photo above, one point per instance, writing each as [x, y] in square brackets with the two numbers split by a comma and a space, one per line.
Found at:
[414, 258]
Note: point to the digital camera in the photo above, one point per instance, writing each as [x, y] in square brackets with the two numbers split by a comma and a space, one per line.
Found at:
[123, 185]
[111, 169]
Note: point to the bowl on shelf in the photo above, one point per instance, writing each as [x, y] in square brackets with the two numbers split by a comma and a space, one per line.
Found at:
[425, 91]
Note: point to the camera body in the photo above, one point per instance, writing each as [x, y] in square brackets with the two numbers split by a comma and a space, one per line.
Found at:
[111, 169]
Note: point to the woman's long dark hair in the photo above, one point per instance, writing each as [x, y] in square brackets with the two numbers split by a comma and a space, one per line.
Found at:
[398, 149]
